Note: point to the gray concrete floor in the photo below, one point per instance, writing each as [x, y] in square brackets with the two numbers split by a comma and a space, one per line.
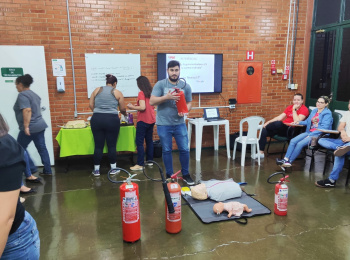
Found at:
[78, 215]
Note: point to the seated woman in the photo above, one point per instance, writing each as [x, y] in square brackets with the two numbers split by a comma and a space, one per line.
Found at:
[277, 125]
[320, 117]
[342, 149]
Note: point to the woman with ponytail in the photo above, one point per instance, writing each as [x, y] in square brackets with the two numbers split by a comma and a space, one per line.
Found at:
[105, 122]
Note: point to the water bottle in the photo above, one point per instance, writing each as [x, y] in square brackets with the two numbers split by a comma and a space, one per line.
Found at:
[130, 119]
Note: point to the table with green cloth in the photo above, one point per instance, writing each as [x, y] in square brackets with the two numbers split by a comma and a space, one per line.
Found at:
[81, 141]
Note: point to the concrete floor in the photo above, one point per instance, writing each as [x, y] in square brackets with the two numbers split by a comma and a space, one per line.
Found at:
[78, 215]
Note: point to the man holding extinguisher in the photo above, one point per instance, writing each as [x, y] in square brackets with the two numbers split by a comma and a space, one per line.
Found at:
[170, 123]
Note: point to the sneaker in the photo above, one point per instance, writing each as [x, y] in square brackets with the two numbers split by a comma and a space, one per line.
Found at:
[255, 156]
[187, 178]
[149, 164]
[136, 168]
[114, 171]
[283, 163]
[325, 183]
[342, 150]
[96, 173]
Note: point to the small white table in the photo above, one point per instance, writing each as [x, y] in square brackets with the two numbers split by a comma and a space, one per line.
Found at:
[199, 123]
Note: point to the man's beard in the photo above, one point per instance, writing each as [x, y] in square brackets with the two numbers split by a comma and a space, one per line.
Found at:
[174, 80]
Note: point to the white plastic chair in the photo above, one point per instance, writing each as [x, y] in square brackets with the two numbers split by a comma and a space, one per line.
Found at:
[255, 125]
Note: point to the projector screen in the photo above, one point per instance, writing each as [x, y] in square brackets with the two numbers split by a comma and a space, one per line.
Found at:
[203, 72]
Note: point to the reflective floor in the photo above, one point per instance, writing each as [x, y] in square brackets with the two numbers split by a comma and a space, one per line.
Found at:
[79, 216]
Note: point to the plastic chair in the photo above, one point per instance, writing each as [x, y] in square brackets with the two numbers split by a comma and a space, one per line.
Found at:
[255, 125]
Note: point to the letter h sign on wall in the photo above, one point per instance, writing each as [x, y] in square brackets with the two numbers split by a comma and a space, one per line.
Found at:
[249, 55]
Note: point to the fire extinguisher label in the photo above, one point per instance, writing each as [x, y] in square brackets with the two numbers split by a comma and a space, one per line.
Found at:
[281, 199]
[130, 208]
[176, 199]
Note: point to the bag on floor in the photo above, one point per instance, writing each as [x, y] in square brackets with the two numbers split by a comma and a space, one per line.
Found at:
[157, 149]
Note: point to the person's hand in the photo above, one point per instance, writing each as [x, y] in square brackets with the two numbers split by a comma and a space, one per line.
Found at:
[295, 123]
[172, 96]
[266, 124]
[26, 131]
[296, 107]
[344, 136]
[130, 106]
[182, 114]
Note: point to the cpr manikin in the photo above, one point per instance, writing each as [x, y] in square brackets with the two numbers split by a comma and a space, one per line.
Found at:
[233, 208]
[216, 190]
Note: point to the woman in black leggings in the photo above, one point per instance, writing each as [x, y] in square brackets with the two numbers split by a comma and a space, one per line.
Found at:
[105, 123]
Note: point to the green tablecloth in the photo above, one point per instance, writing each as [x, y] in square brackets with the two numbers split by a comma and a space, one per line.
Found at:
[81, 141]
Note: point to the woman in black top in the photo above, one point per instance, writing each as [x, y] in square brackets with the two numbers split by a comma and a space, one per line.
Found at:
[19, 236]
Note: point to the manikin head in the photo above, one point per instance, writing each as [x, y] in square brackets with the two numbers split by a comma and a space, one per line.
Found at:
[199, 192]
[218, 208]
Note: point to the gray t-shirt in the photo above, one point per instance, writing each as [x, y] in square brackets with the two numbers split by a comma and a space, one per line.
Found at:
[105, 101]
[167, 112]
[28, 99]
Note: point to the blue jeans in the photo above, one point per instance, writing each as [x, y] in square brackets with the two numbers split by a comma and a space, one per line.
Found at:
[24, 243]
[296, 145]
[144, 131]
[39, 142]
[338, 160]
[166, 134]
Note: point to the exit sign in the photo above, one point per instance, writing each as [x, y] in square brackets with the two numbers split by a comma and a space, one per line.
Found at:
[11, 72]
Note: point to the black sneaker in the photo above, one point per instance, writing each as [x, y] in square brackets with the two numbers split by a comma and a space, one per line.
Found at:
[187, 178]
[325, 183]
[283, 163]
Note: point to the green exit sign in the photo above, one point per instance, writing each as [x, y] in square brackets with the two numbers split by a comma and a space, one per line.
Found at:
[11, 72]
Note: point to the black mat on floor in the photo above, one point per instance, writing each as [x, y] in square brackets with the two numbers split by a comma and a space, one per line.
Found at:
[204, 208]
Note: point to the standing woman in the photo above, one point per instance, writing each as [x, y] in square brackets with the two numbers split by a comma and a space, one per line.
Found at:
[30, 121]
[105, 122]
[145, 122]
[320, 117]
[19, 236]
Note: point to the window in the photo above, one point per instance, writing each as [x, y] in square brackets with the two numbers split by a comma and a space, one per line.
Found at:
[327, 12]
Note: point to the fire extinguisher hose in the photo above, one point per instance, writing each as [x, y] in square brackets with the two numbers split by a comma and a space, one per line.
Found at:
[165, 186]
[121, 181]
[273, 175]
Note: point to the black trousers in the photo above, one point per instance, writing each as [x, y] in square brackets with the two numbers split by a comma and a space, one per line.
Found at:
[105, 128]
[274, 128]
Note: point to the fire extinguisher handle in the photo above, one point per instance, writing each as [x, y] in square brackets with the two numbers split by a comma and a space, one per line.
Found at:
[168, 198]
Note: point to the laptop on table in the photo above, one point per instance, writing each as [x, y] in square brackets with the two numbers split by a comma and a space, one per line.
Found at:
[212, 114]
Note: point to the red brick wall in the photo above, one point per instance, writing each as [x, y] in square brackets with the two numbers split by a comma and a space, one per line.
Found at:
[151, 26]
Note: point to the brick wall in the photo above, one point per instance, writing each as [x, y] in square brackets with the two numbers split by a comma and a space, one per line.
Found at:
[151, 26]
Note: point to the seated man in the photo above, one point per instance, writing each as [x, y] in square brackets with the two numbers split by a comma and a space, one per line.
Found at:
[341, 147]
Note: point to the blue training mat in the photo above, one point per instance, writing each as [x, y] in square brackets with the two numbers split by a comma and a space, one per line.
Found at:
[204, 208]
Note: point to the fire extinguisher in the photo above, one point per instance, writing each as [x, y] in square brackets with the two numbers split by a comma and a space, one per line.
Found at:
[181, 103]
[130, 207]
[281, 194]
[172, 192]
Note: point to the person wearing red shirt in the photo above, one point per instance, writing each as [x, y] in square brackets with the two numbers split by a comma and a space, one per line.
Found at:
[145, 122]
[277, 125]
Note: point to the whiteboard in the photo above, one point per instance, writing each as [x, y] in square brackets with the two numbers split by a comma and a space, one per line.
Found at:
[126, 67]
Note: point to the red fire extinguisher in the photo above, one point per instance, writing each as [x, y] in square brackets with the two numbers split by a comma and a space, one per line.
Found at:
[281, 194]
[172, 192]
[173, 220]
[181, 103]
[130, 208]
